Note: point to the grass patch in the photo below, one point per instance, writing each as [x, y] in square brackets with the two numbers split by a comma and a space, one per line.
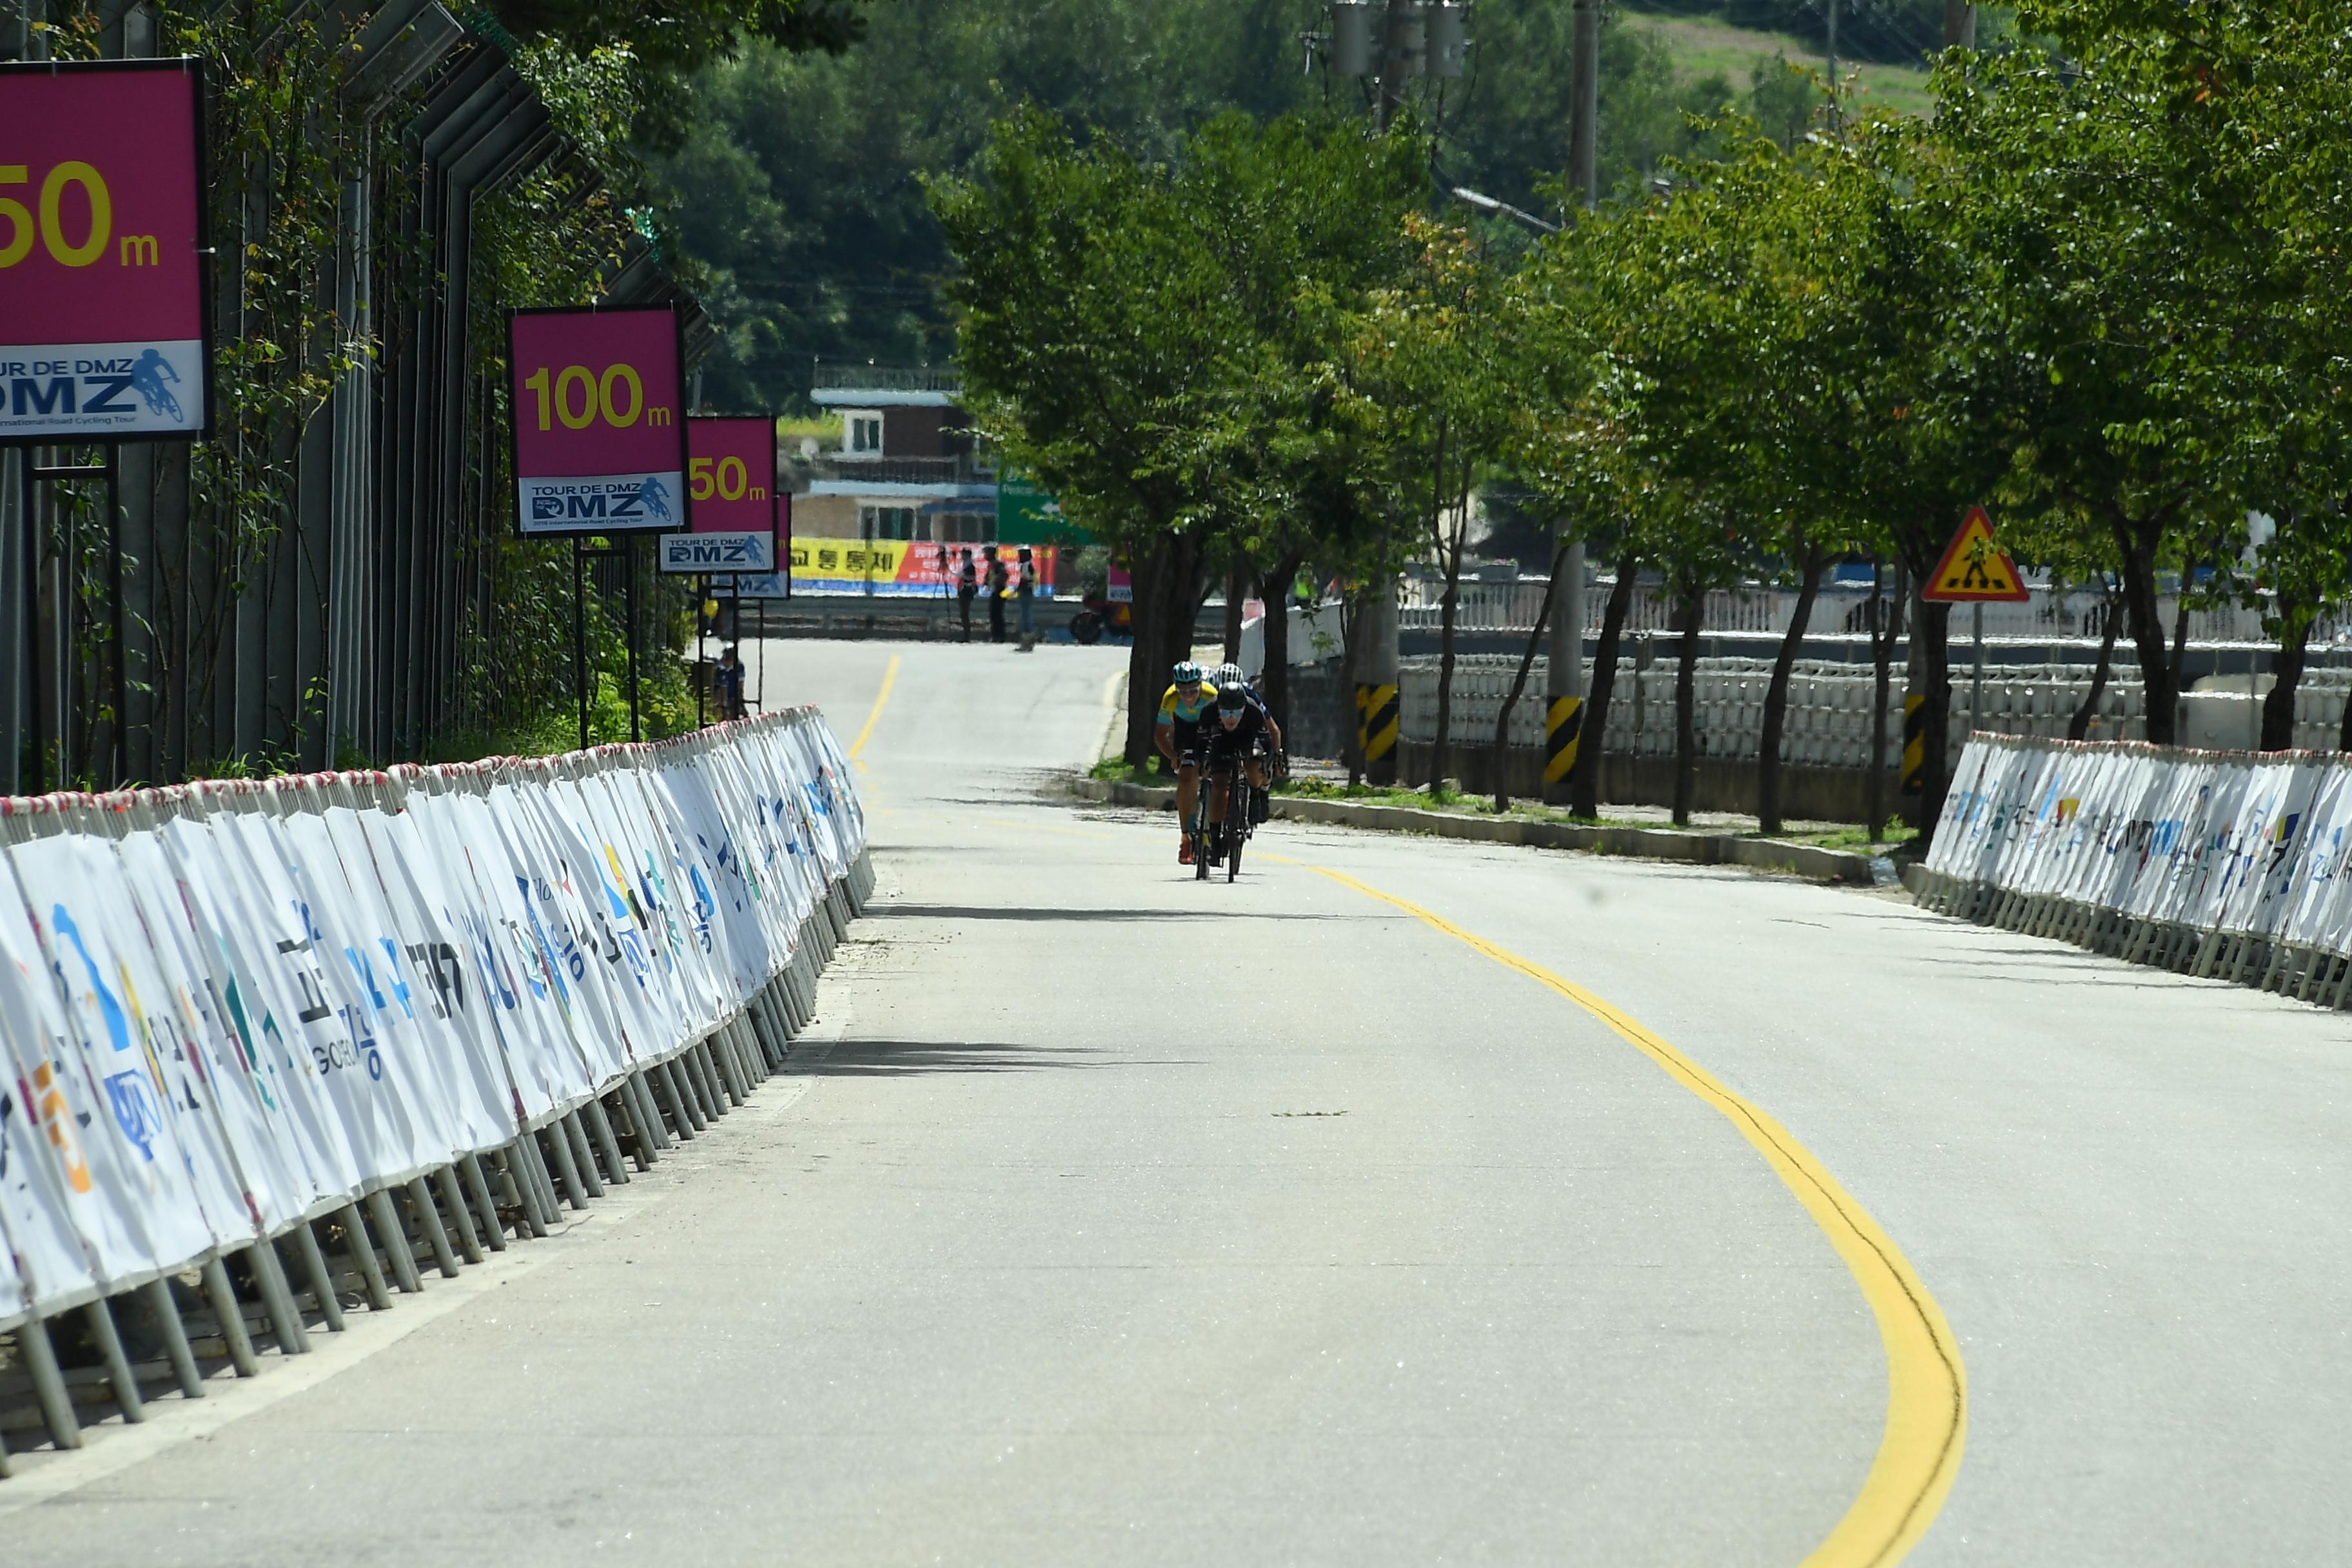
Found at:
[1457, 801]
[1855, 839]
[1898, 837]
[1702, 45]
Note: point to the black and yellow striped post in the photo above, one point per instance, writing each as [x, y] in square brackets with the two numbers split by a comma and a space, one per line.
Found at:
[1914, 744]
[1378, 706]
[1563, 722]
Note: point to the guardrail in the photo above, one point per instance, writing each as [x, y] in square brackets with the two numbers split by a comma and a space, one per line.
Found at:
[886, 378]
[278, 1045]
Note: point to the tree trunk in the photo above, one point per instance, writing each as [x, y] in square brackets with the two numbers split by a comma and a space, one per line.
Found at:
[2136, 542]
[1812, 559]
[1274, 679]
[1167, 600]
[1520, 683]
[2278, 705]
[2180, 620]
[1886, 629]
[2080, 725]
[1694, 607]
[1585, 781]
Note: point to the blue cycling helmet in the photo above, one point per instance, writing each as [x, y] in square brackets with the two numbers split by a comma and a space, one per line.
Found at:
[1188, 673]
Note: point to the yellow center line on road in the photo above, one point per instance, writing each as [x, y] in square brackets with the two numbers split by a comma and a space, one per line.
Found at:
[889, 679]
[1927, 1386]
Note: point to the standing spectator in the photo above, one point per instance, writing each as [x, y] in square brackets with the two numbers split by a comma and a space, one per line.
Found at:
[997, 577]
[967, 584]
[1026, 591]
[729, 682]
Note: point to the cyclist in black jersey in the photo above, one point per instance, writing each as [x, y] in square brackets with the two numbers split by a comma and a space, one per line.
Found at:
[1243, 730]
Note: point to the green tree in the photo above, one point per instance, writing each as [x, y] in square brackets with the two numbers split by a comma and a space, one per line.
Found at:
[1156, 343]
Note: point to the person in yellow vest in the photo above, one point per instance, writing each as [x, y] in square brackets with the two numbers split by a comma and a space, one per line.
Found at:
[996, 575]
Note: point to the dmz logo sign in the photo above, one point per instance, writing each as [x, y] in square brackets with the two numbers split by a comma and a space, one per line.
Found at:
[131, 390]
[586, 505]
[718, 552]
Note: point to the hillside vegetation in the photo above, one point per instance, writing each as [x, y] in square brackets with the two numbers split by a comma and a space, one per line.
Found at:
[796, 193]
[1704, 46]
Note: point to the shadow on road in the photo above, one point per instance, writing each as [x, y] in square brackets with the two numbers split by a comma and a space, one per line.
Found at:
[958, 912]
[880, 1059]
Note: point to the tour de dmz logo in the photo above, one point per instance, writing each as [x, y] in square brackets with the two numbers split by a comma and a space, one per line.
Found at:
[645, 501]
[103, 385]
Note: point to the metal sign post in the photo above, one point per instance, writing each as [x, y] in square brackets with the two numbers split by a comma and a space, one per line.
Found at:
[628, 548]
[579, 632]
[599, 446]
[105, 331]
[1976, 681]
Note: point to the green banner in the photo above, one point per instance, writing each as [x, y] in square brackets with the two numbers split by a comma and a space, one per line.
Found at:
[1028, 514]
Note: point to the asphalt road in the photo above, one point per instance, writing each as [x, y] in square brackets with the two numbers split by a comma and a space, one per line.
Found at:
[1476, 1204]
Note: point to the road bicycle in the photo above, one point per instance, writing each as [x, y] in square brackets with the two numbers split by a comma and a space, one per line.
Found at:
[1224, 840]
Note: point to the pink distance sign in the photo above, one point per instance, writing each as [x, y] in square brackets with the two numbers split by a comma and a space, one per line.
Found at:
[598, 443]
[103, 332]
[731, 502]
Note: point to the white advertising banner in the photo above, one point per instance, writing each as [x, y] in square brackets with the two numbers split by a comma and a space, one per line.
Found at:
[260, 1002]
[2226, 842]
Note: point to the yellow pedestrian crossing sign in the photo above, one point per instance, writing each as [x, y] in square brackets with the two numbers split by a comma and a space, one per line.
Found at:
[1974, 568]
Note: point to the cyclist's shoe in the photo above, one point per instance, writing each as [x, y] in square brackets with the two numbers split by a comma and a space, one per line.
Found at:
[1261, 805]
[1185, 850]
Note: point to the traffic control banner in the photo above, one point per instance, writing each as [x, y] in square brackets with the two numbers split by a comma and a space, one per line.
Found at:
[598, 443]
[104, 329]
[229, 1007]
[908, 569]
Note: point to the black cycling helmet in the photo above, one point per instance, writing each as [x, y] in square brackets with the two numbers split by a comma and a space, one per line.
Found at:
[1232, 698]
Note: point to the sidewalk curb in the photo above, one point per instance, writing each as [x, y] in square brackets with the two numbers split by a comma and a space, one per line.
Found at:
[1638, 843]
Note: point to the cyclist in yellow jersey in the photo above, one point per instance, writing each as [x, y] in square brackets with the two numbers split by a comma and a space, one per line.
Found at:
[1187, 698]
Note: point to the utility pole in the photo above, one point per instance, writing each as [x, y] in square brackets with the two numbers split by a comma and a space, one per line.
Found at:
[1402, 41]
[1564, 660]
[1584, 102]
[1832, 55]
[1959, 24]
[1389, 42]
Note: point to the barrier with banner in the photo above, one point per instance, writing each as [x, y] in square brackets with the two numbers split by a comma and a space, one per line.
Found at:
[2231, 863]
[903, 568]
[228, 1009]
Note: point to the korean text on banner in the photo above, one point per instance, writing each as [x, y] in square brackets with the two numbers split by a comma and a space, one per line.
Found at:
[731, 502]
[102, 282]
[598, 443]
[906, 569]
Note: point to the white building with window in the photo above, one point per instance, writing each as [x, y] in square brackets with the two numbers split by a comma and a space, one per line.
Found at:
[906, 470]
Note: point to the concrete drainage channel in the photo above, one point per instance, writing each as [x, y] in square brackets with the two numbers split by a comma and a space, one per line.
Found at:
[116, 1355]
[1641, 843]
